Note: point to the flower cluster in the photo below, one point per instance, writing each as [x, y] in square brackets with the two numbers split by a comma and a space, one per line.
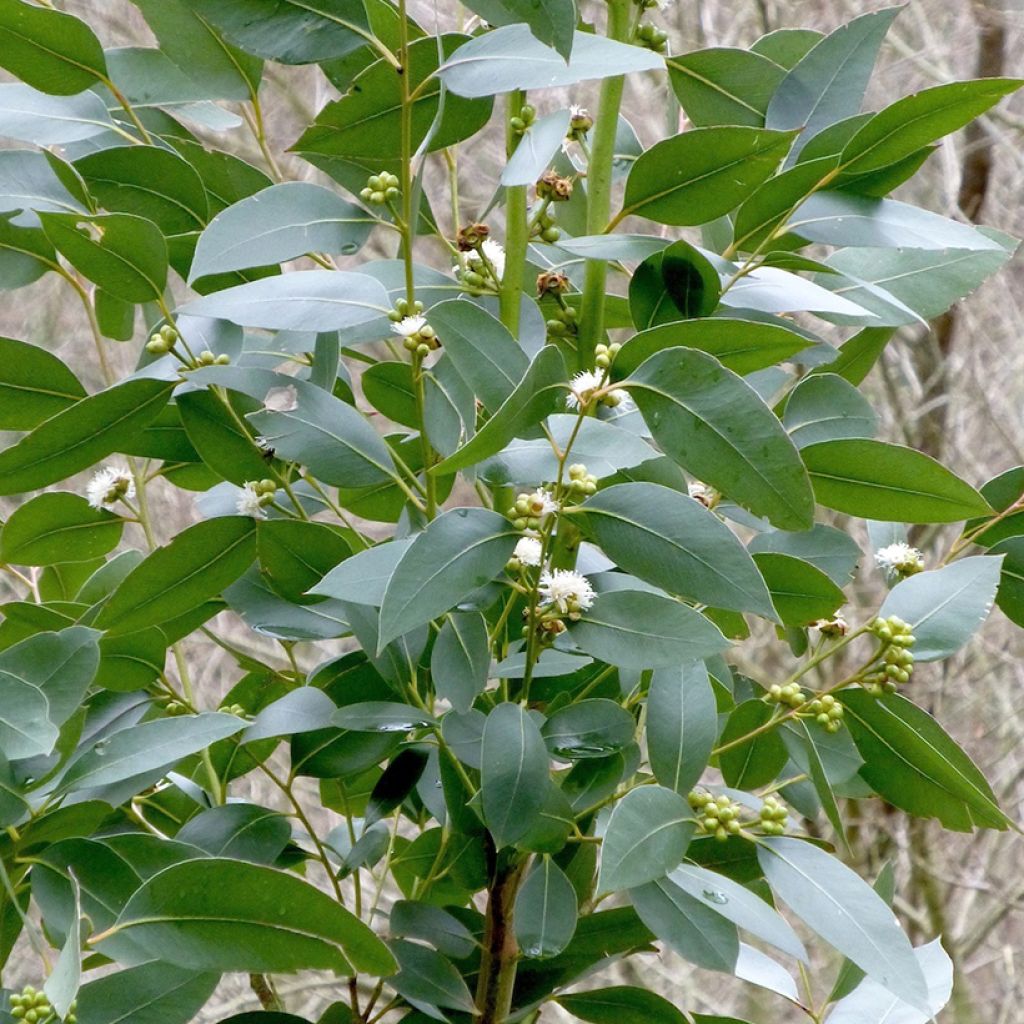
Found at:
[484, 267]
[253, 498]
[899, 560]
[110, 485]
[587, 386]
[416, 334]
[566, 592]
[531, 510]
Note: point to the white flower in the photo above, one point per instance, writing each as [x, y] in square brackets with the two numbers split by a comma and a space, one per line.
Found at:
[528, 551]
[566, 590]
[575, 110]
[410, 326]
[834, 627]
[542, 504]
[582, 388]
[700, 492]
[248, 502]
[110, 484]
[495, 254]
[899, 559]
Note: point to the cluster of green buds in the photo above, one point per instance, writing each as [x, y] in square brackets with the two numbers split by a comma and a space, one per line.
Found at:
[521, 121]
[545, 227]
[175, 708]
[604, 355]
[404, 308]
[716, 816]
[34, 1008]
[651, 37]
[417, 335]
[791, 695]
[563, 322]
[530, 510]
[380, 189]
[207, 358]
[827, 712]
[773, 817]
[233, 709]
[896, 661]
[161, 342]
[580, 481]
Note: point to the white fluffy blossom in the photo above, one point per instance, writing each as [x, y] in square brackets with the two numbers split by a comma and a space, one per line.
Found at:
[110, 484]
[528, 551]
[495, 254]
[567, 591]
[575, 110]
[248, 502]
[409, 326]
[582, 388]
[542, 504]
[899, 559]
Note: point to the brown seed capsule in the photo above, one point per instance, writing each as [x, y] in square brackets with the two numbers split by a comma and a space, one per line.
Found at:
[471, 237]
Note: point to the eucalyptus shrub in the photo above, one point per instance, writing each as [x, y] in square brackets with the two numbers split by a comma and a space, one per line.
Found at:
[549, 482]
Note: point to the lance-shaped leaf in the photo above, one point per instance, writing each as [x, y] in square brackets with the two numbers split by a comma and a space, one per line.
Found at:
[459, 551]
[82, 435]
[674, 542]
[724, 85]
[545, 911]
[845, 911]
[426, 976]
[197, 565]
[647, 835]
[461, 659]
[681, 724]
[552, 22]
[715, 426]
[878, 480]
[31, 116]
[513, 771]
[151, 993]
[540, 393]
[537, 148]
[227, 915]
[624, 1002]
[34, 385]
[824, 407]
[801, 592]
[58, 527]
[702, 174]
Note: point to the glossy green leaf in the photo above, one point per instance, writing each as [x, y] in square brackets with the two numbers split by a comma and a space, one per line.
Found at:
[546, 911]
[302, 710]
[151, 993]
[28, 182]
[294, 556]
[912, 763]
[715, 426]
[824, 407]
[537, 148]
[857, 356]
[426, 976]
[64, 980]
[513, 58]
[32, 116]
[514, 770]
[552, 22]
[877, 480]
[702, 174]
[620, 1003]
[49, 50]
[845, 911]
[81, 435]
[34, 385]
[724, 85]
[196, 565]
[461, 550]
[832, 551]
[646, 836]
[1010, 595]
[240, 831]
[681, 725]
[58, 527]
[758, 760]
[380, 716]
[431, 924]
[787, 46]
[461, 659]
[800, 591]
[595, 727]
[639, 630]
[224, 914]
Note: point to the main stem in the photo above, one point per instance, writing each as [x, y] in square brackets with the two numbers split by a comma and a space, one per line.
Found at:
[516, 230]
[599, 191]
[500, 952]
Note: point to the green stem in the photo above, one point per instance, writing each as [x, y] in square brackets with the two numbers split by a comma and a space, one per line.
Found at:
[516, 230]
[599, 190]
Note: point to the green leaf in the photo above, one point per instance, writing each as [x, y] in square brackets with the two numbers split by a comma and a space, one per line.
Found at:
[512, 58]
[481, 349]
[461, 659]
[546, 910]
[801, 592]
[1010, 596]
[380, 716]
[715, 426]
[844, 910]
[787, 46]
[539, 394]
[288, 31]
[81, 435]
[858, 355]
[459, 551]
[49, 50]
[877, 480]
[32, 116]
[432, 924]
[908, 124]
[296, 555]
[58, 527]
[34, 385]
[621, 1003]
[674, 542]
[124, 254]
[154, 745]
[688, 925]
[824, 407]
[595, 727]
[227, 915]
[681, 725]
[305, 300]
[426, 976]
[538, 147]
[552, 22]
[739, 345]
[389, 388]
[302, 710]
[945, 607]
[911, 762]
[638, 630]
[151, 993]
[28, 182]
[363, 578]
[647, 835]
[25, 253]
[514, 770]
[757, 761]
[147, 182]
[240, 831]
[62, 985]
[702, 174]
[828, 84]
[224, 445]
[832, 551]
[196, 565]
[723, 85]
[280, 223]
